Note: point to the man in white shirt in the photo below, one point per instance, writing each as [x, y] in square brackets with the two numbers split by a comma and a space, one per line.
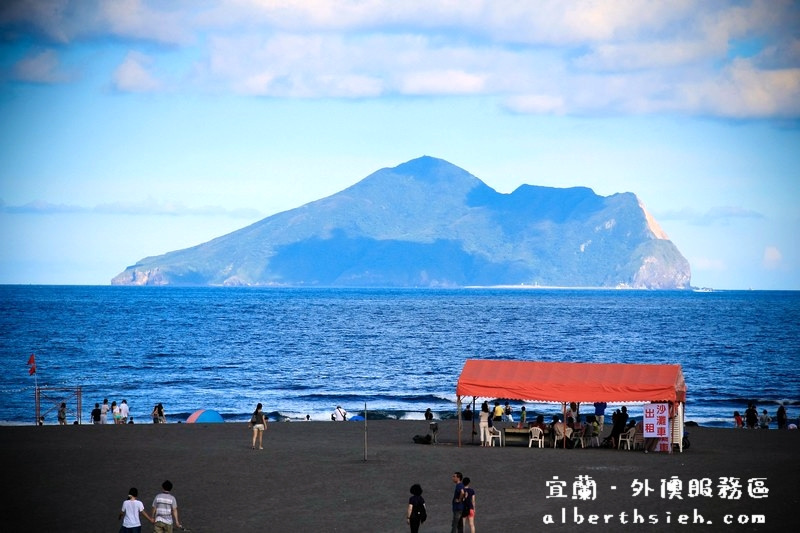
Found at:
[339, 414]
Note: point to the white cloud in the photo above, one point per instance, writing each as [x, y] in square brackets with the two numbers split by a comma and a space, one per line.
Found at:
[646, 55]
[67, 21]
[133, 75]
[744, 91]
[735, 60]
[136, 19]
[447, 81]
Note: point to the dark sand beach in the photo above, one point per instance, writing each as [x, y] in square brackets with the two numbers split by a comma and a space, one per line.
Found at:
[313, 477]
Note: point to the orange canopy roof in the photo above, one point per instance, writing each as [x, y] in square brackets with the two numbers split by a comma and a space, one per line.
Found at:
[571, 382]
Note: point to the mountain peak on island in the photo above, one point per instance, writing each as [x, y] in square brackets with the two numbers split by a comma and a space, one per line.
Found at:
[427, 167]
[429, 223]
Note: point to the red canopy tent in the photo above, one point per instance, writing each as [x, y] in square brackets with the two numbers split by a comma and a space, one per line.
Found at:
[539, 381]
[571, 382]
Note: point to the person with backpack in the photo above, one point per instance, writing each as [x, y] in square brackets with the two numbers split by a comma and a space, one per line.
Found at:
[417, 513]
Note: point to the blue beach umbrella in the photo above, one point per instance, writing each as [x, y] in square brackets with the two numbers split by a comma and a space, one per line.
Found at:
[205, 416]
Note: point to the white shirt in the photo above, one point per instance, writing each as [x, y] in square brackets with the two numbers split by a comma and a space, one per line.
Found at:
[132, 508]
[123, 410]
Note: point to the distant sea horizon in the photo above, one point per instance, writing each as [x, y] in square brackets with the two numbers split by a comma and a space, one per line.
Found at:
[302, 351]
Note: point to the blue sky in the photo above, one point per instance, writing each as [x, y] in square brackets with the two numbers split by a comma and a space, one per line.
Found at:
[132, 128]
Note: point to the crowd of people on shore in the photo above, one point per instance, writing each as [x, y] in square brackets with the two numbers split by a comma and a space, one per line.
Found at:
[120, 413]
[489, 416]
[592, 425]
[107, 413]
[753, 420]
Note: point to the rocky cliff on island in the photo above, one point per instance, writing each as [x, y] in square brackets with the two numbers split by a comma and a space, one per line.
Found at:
[429, 223]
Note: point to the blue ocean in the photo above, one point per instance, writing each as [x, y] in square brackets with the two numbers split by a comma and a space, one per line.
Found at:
[302, 352]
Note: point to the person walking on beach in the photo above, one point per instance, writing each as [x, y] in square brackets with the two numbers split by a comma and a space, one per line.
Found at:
[339, 414]
[259, 423]
[62, 414]
[96, 414]
[457, 525]
[104, 412]
[468, 514]
[162, 418]
[416, 513]
[131, 508]
[123, 412]
[165, 510]
[737, 420]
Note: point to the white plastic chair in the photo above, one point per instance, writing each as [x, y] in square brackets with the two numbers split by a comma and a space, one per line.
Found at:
[536, 435]
[494, 433]
[582, 436]
[560, 432]
[627, 439]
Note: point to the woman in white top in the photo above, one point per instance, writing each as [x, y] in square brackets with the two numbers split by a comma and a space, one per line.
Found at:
[130, 513]
[115, 412]
[484, 424]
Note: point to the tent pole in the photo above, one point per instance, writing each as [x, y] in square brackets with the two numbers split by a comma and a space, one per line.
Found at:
[458, 417]
[472, 435]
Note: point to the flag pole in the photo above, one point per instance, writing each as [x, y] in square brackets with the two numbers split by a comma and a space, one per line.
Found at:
[365, 431]
[32, 370]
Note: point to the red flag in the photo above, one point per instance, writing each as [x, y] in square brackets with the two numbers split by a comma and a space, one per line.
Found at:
[32, 360]
[32, 371]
